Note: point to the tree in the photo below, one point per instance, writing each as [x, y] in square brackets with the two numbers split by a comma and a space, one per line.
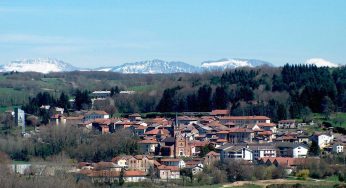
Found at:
[327, 107]
[121, 177]
[206, 149]
[220, 98]
[63, 101]
[314, 149]
[151, 173]
[204, 98]
[82, 99]
[303, 174]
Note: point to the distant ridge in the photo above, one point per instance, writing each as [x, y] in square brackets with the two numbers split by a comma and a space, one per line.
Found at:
[42, 65]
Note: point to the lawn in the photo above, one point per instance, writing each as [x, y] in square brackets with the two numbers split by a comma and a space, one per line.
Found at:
[142, 88]
[333, 179]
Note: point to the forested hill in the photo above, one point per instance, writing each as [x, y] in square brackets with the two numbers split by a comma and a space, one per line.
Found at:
[294, 91]
[291, 91]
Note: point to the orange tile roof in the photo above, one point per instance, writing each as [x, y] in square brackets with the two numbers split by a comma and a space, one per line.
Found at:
[221, 140]
[213, 153]
[239, 130]
[219, 112]
[265, 133]
[171, 168]
[266, 124]
[148, 142]
[170, 160]
[222, 132]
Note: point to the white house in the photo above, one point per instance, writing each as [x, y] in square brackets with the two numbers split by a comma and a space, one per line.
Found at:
[323, 139]
[287, 124]
[173, 162]
[168, 172]
[247, 152]
[290, 149]
[92, 115]
[338, 148]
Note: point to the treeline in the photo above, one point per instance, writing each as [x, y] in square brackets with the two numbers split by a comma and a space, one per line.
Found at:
[294, 92]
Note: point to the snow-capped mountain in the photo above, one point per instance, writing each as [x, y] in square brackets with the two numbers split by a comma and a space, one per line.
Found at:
[223, 64]
[319, 62]
[155, 66]
[42, 65]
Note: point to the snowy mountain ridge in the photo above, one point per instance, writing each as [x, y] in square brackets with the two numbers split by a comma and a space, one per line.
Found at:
[155, 66]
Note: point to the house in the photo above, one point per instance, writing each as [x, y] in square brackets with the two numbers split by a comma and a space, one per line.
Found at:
[211, 158]
[173, 162]
[323, 139]
[235, 152]
[186, 120]
[140, 130]
[92, 115]
[135, 117]
[72, 120]
[219, 113]
[247, 152]
[238, 135]
[137, 162]
[338, 148]
[148, 146]
[290, 149]
[57, 119]
[194, 167]
[244, 120]
[105, 176]
[287, 124]
[268, 127]
[141, 162]
[110, 166]
[100, 94]
[159, 134]
[122, 160]
[168, 172]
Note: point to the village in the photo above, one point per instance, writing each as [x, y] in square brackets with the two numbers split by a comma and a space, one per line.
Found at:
[189, 142]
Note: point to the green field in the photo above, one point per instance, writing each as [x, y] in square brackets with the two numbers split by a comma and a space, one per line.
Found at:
[12, 96]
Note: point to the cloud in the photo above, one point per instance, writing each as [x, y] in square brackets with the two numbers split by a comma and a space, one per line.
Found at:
[319, 62]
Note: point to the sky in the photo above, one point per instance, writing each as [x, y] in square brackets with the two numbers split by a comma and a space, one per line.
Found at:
[111, 32]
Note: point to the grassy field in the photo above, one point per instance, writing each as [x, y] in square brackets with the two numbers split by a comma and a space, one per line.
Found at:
[143, 88]
[285, 183]
[11, 95]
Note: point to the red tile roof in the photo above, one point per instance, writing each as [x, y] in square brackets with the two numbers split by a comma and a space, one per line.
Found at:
[219, 112]
[266, 124]
[148, 142]
[213, 153]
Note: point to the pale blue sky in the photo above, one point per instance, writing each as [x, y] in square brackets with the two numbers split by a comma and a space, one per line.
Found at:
[104, 33]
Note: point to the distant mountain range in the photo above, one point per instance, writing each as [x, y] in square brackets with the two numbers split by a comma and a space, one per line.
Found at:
[42, 65]
[156, 66]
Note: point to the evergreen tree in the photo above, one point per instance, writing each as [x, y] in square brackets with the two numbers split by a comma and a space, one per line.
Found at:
[220, 98]
[121, 177]
[82, 99]
[327, 107]
[314, 149]
[204, 98]
[63, 101]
